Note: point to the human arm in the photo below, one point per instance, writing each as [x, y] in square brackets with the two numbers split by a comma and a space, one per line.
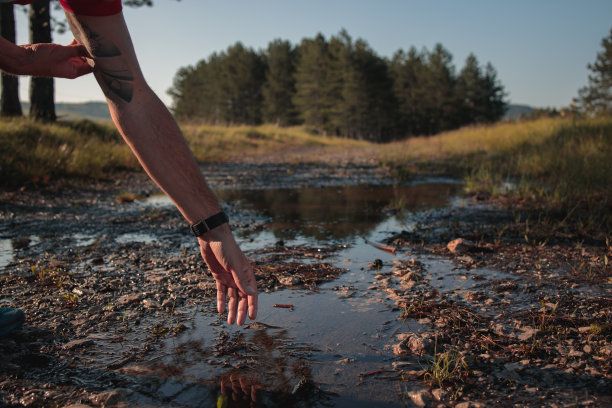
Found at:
[51, 60]
[154, 137]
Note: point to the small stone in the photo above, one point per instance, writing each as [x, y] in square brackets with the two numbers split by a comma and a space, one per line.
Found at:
[128, 299]
[459, 246]
[587, 349]
[109, 398]
[420, 398]
[150, 304]
[439, 394]
[288, 280]
[465, 404]
[527, 333]
[413, 344]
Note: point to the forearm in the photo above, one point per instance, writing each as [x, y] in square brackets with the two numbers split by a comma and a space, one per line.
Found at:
[156, 140]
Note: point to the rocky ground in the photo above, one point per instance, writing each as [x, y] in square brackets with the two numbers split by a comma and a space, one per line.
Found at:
[540, 335]
[537, 336]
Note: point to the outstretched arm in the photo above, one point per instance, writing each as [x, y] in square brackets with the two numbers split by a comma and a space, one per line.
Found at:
[50, 60]
[154, 137]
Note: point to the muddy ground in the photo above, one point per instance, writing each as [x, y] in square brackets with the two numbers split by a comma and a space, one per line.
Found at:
[104, 283]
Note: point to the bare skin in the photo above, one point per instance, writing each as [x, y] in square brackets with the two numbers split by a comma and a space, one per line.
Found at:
[51, 60]
[103, 45]
[149, 129]
[155, 139]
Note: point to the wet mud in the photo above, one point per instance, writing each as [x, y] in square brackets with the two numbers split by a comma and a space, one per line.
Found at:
[121, 309]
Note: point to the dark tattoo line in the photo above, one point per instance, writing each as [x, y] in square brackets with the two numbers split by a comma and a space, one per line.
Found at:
[118, 82]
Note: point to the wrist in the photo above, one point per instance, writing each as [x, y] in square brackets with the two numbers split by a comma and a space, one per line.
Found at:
[217, 234]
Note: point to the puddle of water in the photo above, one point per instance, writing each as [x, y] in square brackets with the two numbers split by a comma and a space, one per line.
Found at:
[135, 237]
[6, 252]
[8, 247]
[330, 213]
[337, 334]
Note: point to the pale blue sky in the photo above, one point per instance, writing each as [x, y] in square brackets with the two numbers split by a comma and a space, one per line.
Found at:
[539, 48]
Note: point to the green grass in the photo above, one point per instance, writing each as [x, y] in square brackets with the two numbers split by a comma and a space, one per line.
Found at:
[219, 143]
[33, 151]
[560, 165]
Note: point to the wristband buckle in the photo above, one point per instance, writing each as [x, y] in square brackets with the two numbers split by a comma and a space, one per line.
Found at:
[203, 226]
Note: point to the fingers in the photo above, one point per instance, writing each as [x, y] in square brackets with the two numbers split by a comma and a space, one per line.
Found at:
[242, 310]
[236, 285]
[232, 305]
[221, 289]
[252, 303]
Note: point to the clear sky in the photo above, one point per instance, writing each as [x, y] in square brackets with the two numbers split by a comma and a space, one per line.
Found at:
[539, 48]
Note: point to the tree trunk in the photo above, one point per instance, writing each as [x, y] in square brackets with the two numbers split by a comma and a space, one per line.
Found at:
[42, 95]
[9, 97]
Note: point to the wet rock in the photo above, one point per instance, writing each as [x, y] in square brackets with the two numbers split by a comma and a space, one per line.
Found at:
[473, 296]
[377, 264]
[459, 246]
[413, 344]
[128, 299]
[109, 398]
[289, 280]
[150, 304]
[439, 394]
[420, 398]
[527, 333]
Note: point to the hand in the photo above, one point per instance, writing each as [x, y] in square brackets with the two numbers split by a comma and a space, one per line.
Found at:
[54, 60]
[233, 273]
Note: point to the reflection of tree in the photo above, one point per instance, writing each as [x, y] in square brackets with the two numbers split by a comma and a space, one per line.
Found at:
[336, 212]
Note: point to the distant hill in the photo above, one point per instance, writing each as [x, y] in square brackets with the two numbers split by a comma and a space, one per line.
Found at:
[96, 111]
[516, 111]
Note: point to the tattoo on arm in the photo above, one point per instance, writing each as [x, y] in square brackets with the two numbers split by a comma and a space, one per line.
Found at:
[116, 80]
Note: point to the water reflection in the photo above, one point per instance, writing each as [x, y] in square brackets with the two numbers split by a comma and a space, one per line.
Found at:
[257, 367]
[337, 212]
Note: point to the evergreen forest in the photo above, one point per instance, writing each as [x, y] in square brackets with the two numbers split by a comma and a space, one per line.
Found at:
[339, 87]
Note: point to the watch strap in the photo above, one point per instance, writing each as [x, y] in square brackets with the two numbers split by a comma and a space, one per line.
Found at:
[203, 226]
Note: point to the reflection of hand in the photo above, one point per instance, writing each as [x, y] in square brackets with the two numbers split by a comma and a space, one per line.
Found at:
[237, 391]
[233, 273]
[54, 60]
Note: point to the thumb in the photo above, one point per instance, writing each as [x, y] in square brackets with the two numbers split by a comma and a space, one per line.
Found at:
[77, 49]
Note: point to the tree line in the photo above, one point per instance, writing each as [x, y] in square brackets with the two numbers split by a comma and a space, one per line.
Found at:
[340, 87]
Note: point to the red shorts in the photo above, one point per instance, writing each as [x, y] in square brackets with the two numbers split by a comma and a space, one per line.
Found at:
[87, 7]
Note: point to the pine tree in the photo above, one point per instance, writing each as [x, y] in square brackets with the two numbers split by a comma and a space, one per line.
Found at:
[311, 82]
[439, 100]
[279, 87]
[495, 104]
[470, 93]
[597, 95]
[408, 72]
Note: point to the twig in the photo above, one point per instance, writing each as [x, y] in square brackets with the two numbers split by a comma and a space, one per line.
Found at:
[385, 248]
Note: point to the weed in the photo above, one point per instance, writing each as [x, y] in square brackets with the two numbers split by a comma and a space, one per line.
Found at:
[446, 367]
[71, 300]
